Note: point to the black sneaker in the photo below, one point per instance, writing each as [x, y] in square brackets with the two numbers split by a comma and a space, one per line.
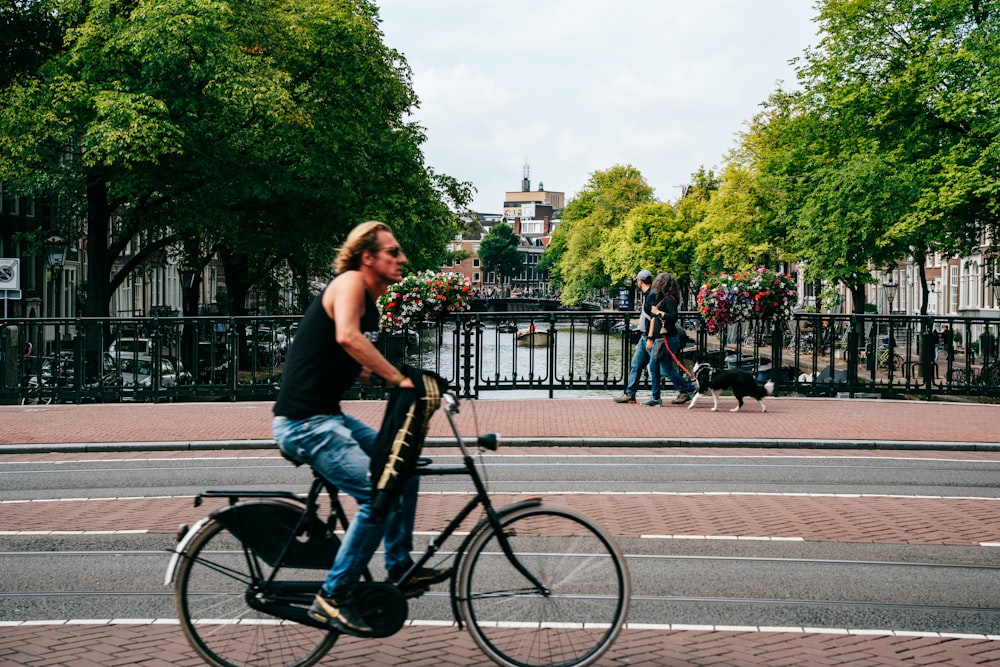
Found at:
[340, 614]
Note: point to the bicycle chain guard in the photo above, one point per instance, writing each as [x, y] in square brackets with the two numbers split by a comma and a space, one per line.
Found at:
[383, 606]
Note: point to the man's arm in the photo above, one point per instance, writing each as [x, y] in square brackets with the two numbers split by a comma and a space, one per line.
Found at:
[344, 303]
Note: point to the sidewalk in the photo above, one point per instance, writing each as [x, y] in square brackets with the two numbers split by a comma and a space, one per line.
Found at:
[789, 422]
[820, 425]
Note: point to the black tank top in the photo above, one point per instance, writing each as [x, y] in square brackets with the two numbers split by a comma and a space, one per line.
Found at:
[317, 369]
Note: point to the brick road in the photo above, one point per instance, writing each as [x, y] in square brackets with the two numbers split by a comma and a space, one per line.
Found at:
[790, 427]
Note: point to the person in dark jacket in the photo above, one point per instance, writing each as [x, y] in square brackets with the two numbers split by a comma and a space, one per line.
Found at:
[333, 347]
[640, 358]
[665, 328]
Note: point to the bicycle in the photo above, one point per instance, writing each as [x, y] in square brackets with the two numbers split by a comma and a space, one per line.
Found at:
[884, 359]
[534, 584]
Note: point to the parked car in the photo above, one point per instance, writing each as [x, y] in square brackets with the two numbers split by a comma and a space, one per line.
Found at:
[183, 375]
[268, 346]
[213, 363]
[137, 374]
[122, 346]
[58, 374]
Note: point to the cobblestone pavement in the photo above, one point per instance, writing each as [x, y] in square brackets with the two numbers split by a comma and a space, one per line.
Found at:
[561, 427]
[818, 422]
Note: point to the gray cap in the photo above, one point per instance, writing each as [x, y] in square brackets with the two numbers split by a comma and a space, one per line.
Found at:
[645, 276]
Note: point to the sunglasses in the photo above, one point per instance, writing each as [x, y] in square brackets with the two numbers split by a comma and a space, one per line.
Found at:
[393, 251]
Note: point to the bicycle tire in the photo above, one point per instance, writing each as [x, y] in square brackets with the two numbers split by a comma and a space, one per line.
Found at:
[580, 615]
[989, 377]
[211, 586]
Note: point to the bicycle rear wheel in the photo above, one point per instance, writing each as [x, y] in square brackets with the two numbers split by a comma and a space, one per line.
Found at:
[215, 578]
[582, 608]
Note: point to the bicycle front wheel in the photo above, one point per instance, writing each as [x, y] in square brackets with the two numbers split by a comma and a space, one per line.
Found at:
[216, 576]
[579, 609]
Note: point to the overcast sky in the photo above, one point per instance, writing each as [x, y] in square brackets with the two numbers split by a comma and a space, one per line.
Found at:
[576, 86]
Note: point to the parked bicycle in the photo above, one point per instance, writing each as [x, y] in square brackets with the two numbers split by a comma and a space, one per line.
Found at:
[883, 359]
[534, 584]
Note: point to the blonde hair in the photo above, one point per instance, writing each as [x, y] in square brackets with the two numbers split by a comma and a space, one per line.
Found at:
[363, 238]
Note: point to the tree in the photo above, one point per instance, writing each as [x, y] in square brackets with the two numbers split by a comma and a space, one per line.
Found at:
[890, 149]
[262, 131]
[654, 237]
[29, 33]
[499, 252]
[576, 253]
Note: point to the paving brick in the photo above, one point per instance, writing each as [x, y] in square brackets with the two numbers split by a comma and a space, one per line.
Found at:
[667, 431]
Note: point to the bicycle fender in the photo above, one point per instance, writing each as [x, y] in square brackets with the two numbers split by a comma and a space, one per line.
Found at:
[267, 527]
[175, 556]
[479, 527]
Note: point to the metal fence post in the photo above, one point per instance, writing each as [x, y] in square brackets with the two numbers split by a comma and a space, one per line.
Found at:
[927, 355]
[853, 355]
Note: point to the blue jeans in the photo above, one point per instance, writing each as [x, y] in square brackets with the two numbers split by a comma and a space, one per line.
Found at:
[640, 359]
[667, 368]
[339, 448]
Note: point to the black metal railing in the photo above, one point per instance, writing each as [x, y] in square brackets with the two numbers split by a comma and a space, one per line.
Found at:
[241, 358]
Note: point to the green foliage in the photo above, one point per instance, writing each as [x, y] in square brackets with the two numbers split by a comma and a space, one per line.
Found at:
[262, 130]
[499, 252]
[578, 246]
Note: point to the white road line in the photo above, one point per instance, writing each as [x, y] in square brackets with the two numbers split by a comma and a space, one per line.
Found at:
[533, 494]
[661, 627]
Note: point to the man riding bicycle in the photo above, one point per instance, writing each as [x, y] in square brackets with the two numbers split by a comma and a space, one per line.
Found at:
[334, 346]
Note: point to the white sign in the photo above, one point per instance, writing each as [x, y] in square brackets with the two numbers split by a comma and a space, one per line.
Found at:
[10, 275]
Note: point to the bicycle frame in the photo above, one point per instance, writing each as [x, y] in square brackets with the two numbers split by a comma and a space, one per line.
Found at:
[282, 597]
[493, 516]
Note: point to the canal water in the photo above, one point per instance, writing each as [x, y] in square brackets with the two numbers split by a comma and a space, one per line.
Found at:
[578, 358]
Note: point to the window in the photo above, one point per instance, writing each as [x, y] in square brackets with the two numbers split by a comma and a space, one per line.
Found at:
[970, 291]
[475, 263]
[475, 277]
[953, 288]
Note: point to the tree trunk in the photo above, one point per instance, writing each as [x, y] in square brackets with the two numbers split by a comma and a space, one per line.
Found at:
[858, 298]
[99, 260]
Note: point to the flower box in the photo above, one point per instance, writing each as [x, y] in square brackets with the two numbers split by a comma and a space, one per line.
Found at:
[420, 296]
[737, 297]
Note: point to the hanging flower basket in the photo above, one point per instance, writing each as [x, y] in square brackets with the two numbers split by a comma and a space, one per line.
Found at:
[757, 294]
[423, 295]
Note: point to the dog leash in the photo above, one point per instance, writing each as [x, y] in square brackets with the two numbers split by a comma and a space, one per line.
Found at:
[678, 361]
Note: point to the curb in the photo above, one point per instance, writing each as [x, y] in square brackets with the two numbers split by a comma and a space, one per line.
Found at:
[644, 443]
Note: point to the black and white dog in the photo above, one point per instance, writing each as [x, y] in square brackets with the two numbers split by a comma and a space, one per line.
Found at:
[740, 382]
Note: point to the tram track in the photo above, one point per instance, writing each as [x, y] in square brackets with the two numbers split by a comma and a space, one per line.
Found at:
[651, 603]
[702, 551]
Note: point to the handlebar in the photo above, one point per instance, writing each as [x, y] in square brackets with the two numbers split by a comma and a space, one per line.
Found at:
[489, 441]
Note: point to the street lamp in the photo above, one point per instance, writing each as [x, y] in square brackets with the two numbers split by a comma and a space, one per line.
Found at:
[890, 292]
[55, 252]
[55, 257]
[187, 277]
